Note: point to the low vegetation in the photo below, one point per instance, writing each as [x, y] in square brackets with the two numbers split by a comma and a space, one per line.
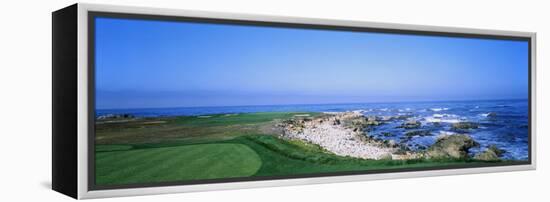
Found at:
[133, 150]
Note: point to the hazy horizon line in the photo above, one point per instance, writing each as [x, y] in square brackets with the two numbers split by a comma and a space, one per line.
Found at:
[260, 105]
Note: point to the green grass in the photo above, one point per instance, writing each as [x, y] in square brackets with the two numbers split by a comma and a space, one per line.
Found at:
[232, 119]
[188, 128]
[254, 155]
[220, 146]
[165, 164]
[281, 157]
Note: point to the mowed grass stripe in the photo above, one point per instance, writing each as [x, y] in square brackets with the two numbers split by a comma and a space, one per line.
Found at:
[120, 158]
[201, 161]
[129, 169]
[203, 167]
[166, 166]
[225, 163]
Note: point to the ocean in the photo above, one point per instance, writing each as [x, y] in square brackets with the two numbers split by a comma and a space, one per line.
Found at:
[503, 123]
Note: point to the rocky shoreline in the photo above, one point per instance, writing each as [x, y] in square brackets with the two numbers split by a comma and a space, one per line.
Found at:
[344, 134]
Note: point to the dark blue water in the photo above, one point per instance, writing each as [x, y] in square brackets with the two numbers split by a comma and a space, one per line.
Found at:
[506, 126]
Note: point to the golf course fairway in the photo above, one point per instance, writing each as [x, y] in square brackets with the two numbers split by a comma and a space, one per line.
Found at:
[200, 161]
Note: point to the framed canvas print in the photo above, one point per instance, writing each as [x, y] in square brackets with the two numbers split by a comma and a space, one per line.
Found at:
[151, 101]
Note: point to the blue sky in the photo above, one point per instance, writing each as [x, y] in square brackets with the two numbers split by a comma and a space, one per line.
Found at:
[149, 64]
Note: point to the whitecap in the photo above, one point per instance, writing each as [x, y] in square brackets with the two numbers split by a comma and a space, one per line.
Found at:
[484, 114]
[439, 109]
[444, 115]
[438, 115]
[442, 118]
[433, 119]
[443, 132]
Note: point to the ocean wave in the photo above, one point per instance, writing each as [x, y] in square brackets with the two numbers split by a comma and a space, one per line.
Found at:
[444, 115]
[443, 118]
[484, 114]
[438, 120]
[439, 109]
[443, 132]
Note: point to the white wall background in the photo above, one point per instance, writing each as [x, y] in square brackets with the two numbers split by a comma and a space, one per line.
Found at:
[25, 99]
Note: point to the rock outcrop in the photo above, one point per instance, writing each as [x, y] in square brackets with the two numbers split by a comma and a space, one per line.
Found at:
[421, 133]
[411, 124]
[451, 146]
[465, 126]
[490, 154]
[341, 134]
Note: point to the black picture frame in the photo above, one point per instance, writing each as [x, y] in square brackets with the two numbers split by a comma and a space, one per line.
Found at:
[91, 92]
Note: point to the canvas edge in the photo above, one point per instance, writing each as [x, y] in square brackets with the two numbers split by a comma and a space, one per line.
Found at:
[64, 114]
[533, 98]
[85, 193]
[82, 102]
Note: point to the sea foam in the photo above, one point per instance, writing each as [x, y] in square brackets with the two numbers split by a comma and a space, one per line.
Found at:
[439, 109]
[442, 118]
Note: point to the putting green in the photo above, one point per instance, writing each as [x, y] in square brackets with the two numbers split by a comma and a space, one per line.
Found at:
[164, 164]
